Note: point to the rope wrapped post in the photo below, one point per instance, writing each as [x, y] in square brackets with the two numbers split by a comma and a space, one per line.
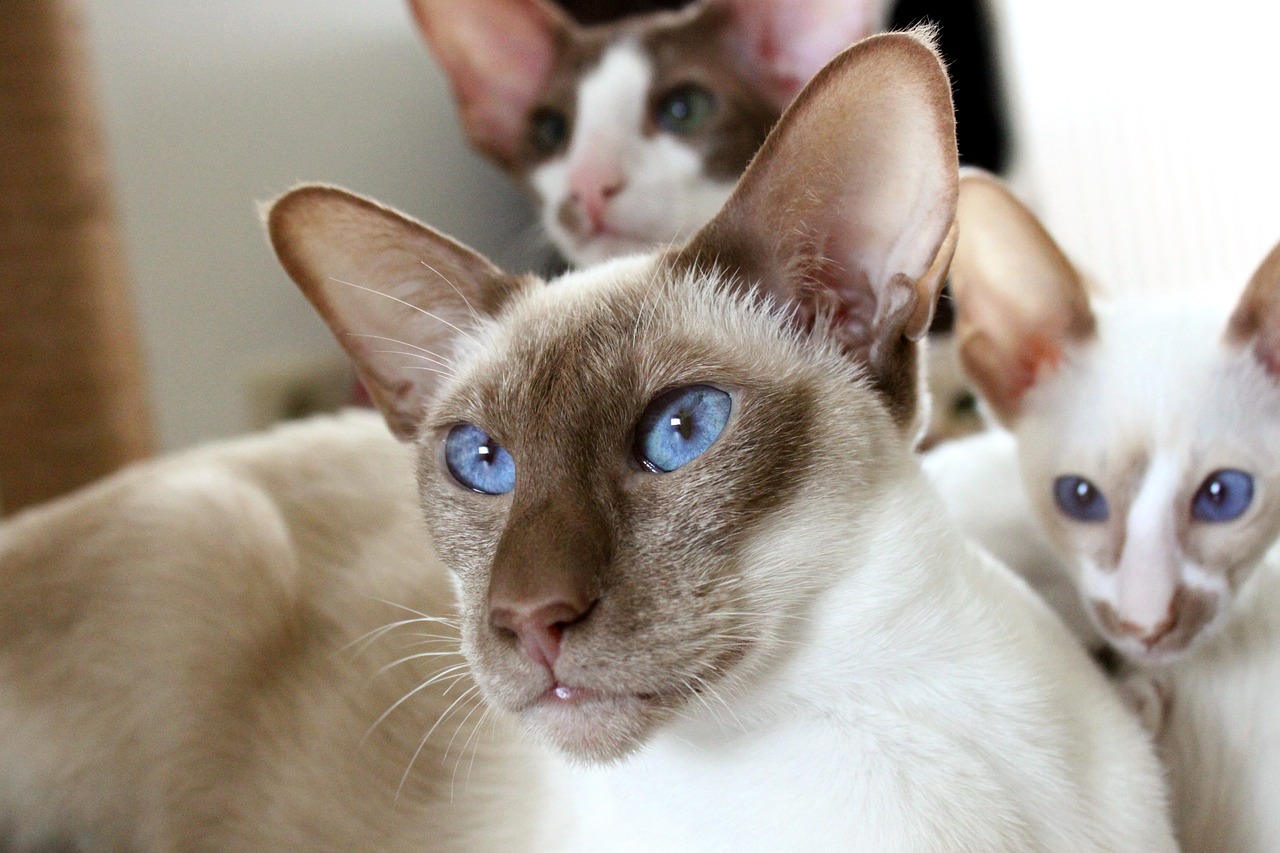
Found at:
[73, 402]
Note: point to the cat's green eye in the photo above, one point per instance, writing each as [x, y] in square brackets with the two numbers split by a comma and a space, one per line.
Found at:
[685, 109]
[548, 130]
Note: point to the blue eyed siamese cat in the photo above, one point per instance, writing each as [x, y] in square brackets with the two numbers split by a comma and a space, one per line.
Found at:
[697, 559]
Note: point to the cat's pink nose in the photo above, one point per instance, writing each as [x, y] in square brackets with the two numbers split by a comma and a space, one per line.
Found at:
[538, 629]
[592, 191]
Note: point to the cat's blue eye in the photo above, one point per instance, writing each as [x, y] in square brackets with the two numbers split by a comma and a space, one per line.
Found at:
[478, 462]
[685, 109]
[1223, 496]
[548, 130]
[679, 426]
[1080, 499]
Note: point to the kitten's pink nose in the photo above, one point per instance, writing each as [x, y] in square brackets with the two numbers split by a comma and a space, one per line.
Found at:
[1149, 635]
[591, 189]
[539, 629]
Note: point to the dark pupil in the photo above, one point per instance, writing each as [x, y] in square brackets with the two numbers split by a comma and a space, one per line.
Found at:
[485, 453]
[1217, 492]
[682, 424]
[1084, 493]
[965, 402]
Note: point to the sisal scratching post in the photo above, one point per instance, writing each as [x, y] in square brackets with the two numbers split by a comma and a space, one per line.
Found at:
[72, 395]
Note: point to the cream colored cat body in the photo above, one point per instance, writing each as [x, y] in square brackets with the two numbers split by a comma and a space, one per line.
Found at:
[187, 664]
[695, 551]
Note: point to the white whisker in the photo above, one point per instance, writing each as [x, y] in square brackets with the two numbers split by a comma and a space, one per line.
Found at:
[423, 743]
[465, 300]
[435, 317]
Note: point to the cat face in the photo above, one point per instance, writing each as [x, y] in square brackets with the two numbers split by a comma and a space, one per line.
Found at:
[620, 469]
[630, 135]
[1145, 432]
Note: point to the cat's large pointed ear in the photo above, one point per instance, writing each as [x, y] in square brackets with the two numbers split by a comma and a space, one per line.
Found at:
[397, 295]
[497, 55]
[846, 214]
[1019, 301]
[1256, 320]
[784, 43]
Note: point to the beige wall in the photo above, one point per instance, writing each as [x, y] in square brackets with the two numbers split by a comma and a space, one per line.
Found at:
[211, 106]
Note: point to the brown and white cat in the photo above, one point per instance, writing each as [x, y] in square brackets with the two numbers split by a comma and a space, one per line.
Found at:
[1140, 472]
[695, 551]
[631, 135]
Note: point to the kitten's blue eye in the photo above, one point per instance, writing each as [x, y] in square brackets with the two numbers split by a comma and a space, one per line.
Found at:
[679, 426]
[548, 130]
[684, 109]
[1080, 499]
[1223, 496]
[478, 462]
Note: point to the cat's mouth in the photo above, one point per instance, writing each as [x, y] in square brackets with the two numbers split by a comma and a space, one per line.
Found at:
[595, 725]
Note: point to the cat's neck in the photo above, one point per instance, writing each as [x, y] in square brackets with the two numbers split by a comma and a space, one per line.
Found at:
[834, 650]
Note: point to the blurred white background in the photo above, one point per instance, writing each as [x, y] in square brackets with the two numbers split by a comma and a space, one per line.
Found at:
[1147, 135]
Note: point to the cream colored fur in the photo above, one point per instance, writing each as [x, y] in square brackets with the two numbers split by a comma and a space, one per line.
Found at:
[187, 663]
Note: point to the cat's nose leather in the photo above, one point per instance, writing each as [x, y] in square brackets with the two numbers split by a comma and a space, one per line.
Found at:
[538, 629]
[592, 193]
[1149, 635]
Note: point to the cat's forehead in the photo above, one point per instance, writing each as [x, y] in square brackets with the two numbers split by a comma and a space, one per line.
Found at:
[608, 339]
[1159, 381]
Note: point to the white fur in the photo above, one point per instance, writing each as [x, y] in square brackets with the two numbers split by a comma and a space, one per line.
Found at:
[923, 667]
[666, 197]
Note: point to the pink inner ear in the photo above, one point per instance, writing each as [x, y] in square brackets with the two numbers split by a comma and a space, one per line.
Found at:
[498, 55]
[786, 42]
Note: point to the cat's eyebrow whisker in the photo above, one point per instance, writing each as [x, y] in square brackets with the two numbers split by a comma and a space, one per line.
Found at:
[444, 362]
[463, 296]
[435, 317]
[447, 373]
[443, 370]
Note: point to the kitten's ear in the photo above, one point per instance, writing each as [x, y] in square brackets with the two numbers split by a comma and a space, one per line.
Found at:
[783, 43]
[497, 55]
[846, 214]
[1256, 319]
[397, 295]
[1019, 301]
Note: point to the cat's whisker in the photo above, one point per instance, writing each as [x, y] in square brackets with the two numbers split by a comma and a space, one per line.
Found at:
[463, 296]
[423, 617]
[449, 374]
[435, 317]
[442, 369]
[486, 717]
[470, 691]
[444, 362]
[462, 751]
[452, 674]
[371, 637]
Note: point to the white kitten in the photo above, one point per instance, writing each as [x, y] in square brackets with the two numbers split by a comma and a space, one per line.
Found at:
[1144, 433]
[695, 551]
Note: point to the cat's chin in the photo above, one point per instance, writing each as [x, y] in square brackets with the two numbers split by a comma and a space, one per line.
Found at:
[594, 727]
[597, 249]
